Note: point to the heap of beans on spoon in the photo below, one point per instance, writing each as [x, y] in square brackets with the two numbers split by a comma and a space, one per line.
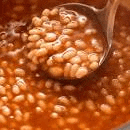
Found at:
[65, 43]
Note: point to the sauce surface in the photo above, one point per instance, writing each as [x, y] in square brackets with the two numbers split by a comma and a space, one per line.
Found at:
[31, 101]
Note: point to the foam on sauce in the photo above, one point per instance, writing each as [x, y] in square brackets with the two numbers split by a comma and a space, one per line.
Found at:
[31, 101]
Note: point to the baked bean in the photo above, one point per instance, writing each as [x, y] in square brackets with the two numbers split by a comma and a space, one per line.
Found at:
[41, 52]
[93, 57]
[90, 31]
[56, 71]
[81, 72]
[46, 12]
[68, 31]
[47, 25]
[33, 38]
[72, 25]
[58, 58]
[69, 53]
[75, 60]
[80, 44]
[94, 65]
[67, 69]
[36, 21]
[73, 70]
[44, 18]
[82, 20]
[54, 12]
[50, 37]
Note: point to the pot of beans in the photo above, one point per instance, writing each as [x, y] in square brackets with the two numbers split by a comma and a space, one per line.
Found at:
[46, 55]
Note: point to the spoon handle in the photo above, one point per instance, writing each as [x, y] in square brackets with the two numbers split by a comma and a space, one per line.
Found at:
[112, 9]
[107, 17]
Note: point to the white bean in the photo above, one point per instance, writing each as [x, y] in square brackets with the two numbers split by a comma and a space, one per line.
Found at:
[18, 115]
[110, 99]
[48, 46]
[40, 96]
[67, 70]
[24, 37]
[2, 80]
[69, 53]
[15, 89]
[90, 31]
[31, 53]
[33, 38]
[72, 120]
[2, 90]
[75, 60]
[39, 43]
[82, 20]
[1, 72]
[54, 115]
[5, 110]
[26, 127]
[30, 98]
[83, 55]
[73, 70]
[56, 71]
[47, 25]
[72, 24]
[80, 44]
[50, 37]
[63, 18]
[36, 21]
[50, 61]
[38, 31]
[93, 57]
[2, 119]
[57, 45]
[68, 44]
[44, 18]
[90, 105]
[19, 72]
[54, 11]
[82, 71]
[106, 109]
[64, 38]
[68, 31]
[35, 60]
[19, 98]
[41, 52]
[58, 58]
[46, 12]
[94, 65]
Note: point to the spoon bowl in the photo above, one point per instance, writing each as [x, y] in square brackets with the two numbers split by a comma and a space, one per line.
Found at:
[104, 17]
